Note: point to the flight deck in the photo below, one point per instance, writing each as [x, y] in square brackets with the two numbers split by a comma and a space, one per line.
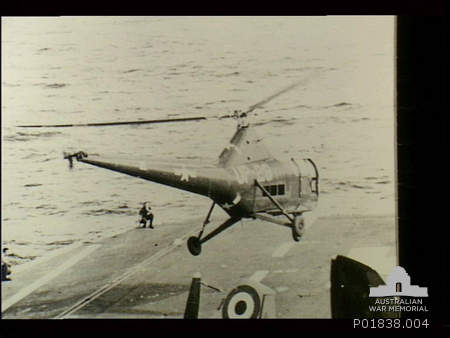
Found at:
[146, 273]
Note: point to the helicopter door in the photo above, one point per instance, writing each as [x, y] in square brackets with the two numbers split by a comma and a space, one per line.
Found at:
[308, 177]
[299, 173]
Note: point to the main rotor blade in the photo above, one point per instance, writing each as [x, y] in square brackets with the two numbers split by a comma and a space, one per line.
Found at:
[101, 124]
[270, 98]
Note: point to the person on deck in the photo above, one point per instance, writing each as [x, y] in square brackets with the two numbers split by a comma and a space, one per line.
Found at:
[146, 215]
[6, 271]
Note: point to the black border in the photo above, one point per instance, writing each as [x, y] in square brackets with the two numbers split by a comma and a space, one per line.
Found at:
[324, 7]
[422, 130]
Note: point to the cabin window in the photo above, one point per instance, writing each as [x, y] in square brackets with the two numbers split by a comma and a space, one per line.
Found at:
[275, 190]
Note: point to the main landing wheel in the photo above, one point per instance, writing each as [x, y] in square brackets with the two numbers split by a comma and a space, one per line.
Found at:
[298, 228]
[194, 246]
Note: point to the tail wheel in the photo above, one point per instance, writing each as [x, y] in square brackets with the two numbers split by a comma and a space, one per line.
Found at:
[298, 228]
[194, 246]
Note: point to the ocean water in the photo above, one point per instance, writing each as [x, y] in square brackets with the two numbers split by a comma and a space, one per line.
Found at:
[96, 69]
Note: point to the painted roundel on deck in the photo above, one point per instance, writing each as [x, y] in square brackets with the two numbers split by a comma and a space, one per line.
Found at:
[242, 302]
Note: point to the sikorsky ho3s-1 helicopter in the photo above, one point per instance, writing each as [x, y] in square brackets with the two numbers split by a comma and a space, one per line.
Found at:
[247, 182]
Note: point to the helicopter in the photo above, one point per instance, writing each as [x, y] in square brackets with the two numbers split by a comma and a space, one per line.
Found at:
[247, 182]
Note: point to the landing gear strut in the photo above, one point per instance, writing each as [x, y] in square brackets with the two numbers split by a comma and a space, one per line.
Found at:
[194, 243]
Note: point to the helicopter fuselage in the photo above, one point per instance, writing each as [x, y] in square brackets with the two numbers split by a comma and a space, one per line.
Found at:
[241, 182]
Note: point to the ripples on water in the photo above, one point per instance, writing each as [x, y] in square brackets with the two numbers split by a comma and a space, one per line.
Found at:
[77, 70]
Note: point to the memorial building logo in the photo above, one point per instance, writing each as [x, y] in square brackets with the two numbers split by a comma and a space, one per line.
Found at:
[398, 283]
[398, 295]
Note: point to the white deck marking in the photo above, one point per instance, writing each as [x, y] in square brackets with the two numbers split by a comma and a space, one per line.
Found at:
[259, 275]
[283, 249]
[134, 269]
[22, 267]
[178, 242]
[303, 241]
[285, 271]
[281, 289]
[45, 279]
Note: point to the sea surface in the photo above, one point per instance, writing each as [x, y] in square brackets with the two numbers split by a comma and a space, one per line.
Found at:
[97, 69]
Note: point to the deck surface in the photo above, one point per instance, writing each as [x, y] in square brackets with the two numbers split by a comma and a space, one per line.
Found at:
[146, 273]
